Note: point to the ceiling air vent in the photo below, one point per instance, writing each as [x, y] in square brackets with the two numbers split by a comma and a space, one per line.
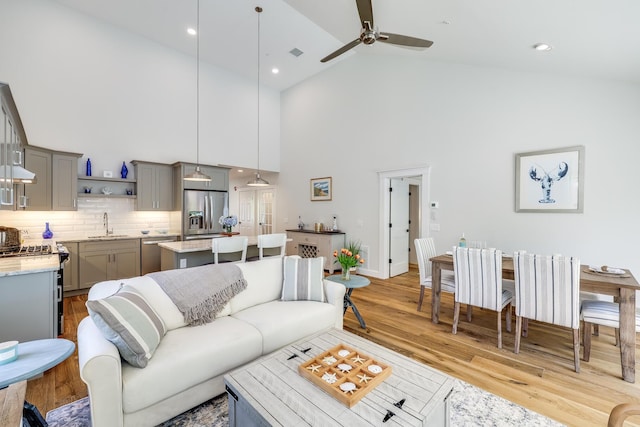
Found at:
[296, 52]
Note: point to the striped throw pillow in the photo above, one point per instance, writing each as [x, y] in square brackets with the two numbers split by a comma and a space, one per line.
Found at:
[130, 323]
[303, 279]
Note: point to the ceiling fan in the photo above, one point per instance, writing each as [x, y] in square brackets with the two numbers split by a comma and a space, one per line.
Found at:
[369, 34]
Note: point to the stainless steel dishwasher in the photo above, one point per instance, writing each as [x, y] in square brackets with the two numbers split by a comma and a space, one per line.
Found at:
[150, 252]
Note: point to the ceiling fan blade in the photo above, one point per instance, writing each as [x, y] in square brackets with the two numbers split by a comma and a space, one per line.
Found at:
[365, 10]
[342, 50]
[404, 40]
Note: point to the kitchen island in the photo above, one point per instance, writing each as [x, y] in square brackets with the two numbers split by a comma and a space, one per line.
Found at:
[28, 296]
[191, 253]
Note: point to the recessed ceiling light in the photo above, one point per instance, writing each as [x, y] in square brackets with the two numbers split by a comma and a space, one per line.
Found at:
[275, 70]
[191, 31]
[542, 46]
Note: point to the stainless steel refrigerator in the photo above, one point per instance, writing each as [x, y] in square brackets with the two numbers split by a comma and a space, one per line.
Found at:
[201, 212]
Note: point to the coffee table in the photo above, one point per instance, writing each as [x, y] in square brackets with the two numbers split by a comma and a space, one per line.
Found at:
[271, 392]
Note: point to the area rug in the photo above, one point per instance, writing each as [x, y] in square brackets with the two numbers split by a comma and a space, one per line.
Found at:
[470, 406]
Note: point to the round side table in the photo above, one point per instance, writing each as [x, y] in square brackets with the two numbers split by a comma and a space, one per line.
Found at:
[355, 282]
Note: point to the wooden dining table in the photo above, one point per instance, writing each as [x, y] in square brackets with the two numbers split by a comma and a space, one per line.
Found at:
[622, 287]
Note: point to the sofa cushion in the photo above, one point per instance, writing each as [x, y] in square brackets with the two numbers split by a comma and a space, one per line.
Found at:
[187, 357]
[130, 323]
[283, 322]
[303, 279]
[264, 283]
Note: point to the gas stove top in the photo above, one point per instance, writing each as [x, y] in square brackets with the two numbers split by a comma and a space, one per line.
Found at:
[28, 250]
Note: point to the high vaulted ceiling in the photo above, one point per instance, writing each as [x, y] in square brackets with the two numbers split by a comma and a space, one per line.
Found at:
[590, 38]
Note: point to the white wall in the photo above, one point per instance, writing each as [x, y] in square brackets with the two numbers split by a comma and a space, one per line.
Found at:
[371, 114]
[87, 87]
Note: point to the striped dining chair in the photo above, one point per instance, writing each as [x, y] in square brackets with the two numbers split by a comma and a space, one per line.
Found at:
[548, 290]
[478, 282]
[426, 249]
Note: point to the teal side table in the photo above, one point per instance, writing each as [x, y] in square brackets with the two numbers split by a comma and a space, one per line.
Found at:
[355, 282]
[34, 357]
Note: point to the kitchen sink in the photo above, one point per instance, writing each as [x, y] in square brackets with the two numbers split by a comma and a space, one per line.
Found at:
[105, 236]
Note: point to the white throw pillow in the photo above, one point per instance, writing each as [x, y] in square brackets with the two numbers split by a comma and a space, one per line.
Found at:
[303, 279]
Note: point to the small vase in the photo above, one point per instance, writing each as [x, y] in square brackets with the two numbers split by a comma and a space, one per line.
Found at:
[88, 167]
[228, 229]
[346, 273]
[124, 171]
[47, 233]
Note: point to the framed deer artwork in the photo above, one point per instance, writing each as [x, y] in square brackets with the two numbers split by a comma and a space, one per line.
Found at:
[550, 180]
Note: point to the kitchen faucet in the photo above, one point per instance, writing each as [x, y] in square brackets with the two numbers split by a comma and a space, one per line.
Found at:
[105, 222]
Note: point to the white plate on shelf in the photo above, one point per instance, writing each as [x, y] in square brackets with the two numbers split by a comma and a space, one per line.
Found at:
[610, 270]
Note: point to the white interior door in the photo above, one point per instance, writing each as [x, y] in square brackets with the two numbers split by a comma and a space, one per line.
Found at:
[266, 199]
[399, 226]
[256, 211]
[247, 212]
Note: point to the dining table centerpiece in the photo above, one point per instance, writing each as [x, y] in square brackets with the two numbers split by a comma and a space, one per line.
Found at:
[348, 258]
[228, 222]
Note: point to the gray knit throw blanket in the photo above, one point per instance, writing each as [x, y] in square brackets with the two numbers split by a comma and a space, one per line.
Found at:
[201, 292]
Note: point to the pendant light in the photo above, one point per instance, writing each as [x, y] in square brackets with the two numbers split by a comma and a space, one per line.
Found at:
[197, 175]
[257, 181]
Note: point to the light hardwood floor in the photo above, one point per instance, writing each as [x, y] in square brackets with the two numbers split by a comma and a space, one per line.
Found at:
[540, 378]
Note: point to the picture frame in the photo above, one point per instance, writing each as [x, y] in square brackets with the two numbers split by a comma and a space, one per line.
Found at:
[321, 189]
[107, 174]
[550, 180]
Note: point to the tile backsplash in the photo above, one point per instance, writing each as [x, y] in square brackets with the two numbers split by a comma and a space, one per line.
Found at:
[123, 219]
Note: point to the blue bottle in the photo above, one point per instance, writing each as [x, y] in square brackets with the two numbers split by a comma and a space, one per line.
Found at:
[124, 171]
[88, 167]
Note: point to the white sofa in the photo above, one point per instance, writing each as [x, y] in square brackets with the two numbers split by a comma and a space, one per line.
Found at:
[188, 366]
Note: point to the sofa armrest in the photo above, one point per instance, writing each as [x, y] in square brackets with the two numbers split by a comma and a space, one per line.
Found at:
[101, 370]
[335, 296]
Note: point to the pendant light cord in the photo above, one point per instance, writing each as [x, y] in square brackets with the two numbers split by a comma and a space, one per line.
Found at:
[198, 85]
[259, 10]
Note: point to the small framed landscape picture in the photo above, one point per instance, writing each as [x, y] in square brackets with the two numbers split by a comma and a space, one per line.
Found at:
[320, 189]
[550, 180]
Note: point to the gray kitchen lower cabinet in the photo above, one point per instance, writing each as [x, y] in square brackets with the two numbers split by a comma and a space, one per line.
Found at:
[107, 260]
[70, 269]
[27, 306]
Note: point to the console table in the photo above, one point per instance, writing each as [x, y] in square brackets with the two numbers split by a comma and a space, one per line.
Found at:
[312, 244]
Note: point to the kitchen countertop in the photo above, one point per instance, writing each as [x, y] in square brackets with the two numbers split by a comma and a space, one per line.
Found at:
[297, 230]
[198, 245]
[13, 266]
[97, 237]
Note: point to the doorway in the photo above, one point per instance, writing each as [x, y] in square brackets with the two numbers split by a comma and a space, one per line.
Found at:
[418, 180]
[256, 211]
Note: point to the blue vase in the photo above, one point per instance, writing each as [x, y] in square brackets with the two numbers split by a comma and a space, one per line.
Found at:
[47, 233]
[124, 171]
[88, 167]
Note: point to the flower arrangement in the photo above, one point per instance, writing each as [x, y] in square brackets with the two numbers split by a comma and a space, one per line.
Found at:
[348, 258]
[228, 222]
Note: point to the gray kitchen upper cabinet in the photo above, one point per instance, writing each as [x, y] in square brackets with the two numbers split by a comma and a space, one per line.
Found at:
[155, 186]
[38, 195]
[56, 180]
[65, 182]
